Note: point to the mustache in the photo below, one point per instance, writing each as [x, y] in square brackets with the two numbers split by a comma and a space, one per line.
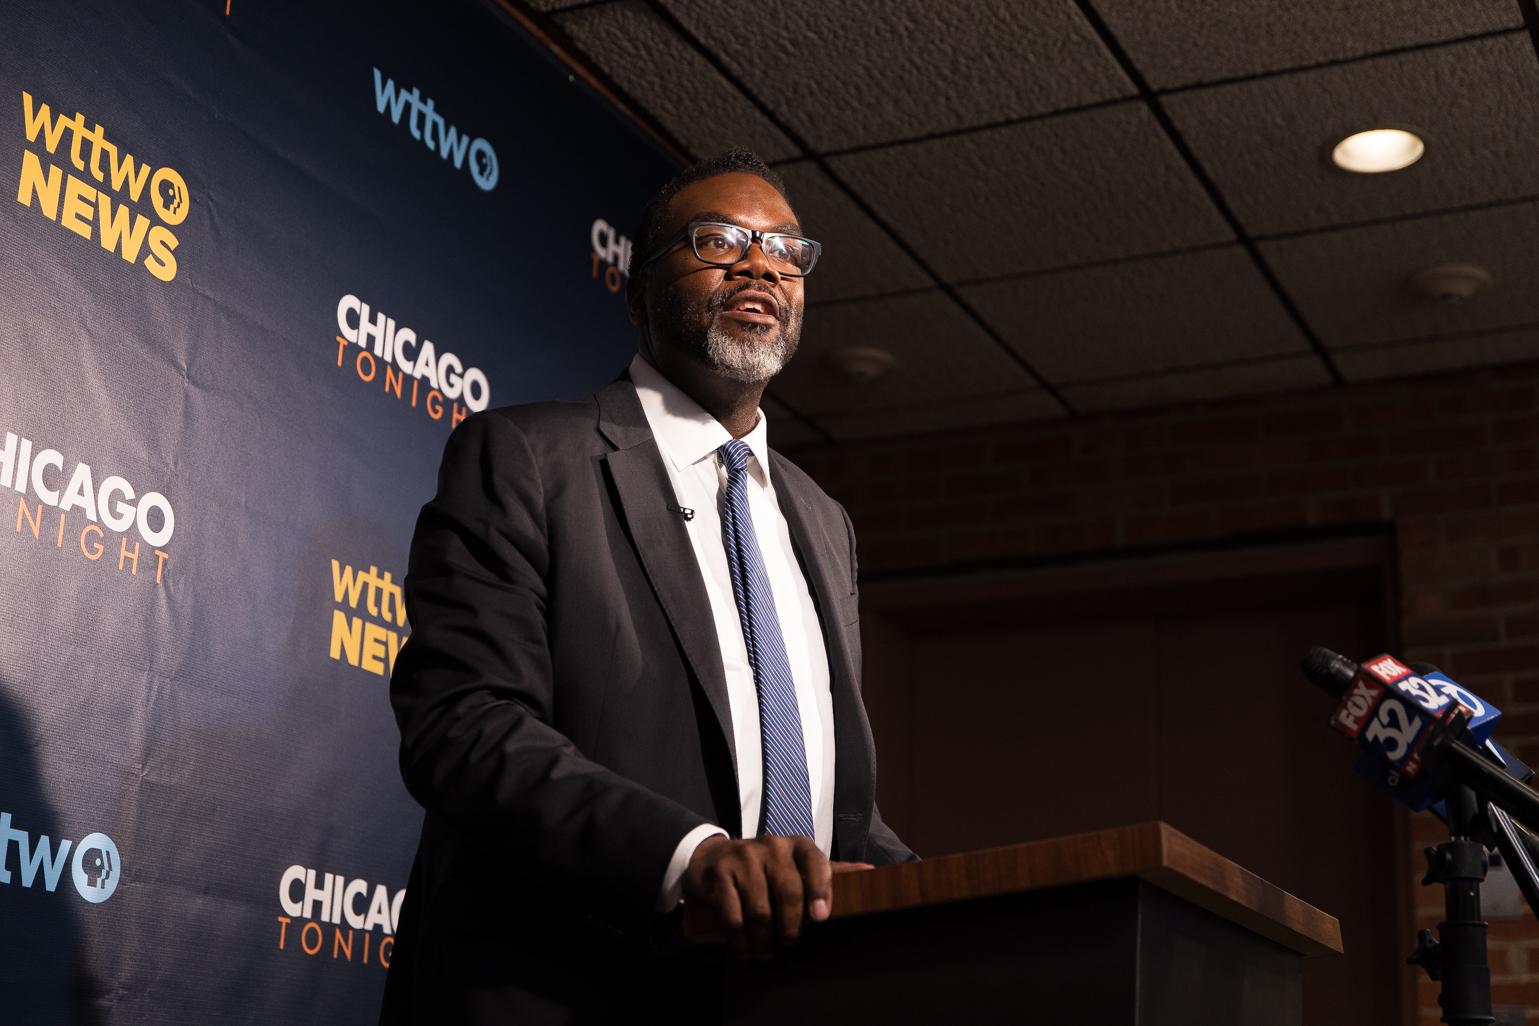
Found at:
[721, 299]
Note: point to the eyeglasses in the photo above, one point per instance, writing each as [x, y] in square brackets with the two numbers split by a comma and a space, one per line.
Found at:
[727, 244]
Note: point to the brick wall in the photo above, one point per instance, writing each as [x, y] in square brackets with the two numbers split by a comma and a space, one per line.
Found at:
[1450, 462]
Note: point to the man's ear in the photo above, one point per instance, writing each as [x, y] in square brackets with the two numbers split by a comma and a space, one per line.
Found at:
[635, 297]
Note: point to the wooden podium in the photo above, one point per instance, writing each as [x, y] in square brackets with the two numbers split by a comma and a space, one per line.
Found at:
[1138, 925]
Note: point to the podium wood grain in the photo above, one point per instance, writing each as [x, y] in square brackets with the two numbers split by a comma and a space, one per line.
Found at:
[1155, 852]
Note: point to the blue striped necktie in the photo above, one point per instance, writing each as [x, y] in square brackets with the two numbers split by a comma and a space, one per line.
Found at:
[786, 809]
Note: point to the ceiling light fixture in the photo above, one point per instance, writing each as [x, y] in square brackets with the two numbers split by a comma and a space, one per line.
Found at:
[860, 364]
[1378, 150]
[1450, 284]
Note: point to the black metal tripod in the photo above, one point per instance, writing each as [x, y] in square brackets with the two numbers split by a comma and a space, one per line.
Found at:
[1457, 958]
[1487, 805]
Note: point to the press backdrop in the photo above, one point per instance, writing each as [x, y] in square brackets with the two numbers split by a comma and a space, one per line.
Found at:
[262, 256]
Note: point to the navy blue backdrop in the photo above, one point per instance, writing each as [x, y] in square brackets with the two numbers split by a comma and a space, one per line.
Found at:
[262, 257]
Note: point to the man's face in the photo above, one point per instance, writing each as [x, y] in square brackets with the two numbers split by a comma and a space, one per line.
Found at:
[742, 321]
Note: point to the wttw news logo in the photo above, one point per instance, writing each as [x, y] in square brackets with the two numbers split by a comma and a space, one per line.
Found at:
[431, 129]
[95, 869]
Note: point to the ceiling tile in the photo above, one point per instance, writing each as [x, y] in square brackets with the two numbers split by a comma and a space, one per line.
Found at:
[1291, 372]
[672, 81]
[859, 259]
[1176, 42]
[1427, 356]
[1350, 284]
[1266, 143]
[939, 354]
[785, 427]
[790, 431]
[1143, 316]
[1064, 190]
[866, 71]
[979, 411]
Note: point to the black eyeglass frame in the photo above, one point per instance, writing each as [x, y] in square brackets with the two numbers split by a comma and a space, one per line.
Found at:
[688, 232]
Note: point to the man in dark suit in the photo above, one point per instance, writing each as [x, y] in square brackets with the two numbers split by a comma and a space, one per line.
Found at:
[634, 672]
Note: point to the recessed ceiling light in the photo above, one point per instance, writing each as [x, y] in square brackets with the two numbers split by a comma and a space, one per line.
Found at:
[1378, 150]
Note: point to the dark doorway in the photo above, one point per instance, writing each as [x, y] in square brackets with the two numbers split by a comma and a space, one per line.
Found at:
[1016, 706]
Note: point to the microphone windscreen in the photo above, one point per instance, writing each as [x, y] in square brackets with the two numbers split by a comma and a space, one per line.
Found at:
[1330, 670]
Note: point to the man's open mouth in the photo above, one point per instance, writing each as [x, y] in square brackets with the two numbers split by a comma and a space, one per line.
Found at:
[752, 307]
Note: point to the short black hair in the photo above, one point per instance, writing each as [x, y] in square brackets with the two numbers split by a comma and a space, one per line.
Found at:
[654, 216]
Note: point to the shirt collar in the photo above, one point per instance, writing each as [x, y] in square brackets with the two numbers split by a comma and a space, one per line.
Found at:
[685, 432]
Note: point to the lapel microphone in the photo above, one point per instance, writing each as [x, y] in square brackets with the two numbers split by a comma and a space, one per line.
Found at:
[683, 511]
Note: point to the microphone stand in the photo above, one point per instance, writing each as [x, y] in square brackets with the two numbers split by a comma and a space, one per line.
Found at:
[1520, 853]
[1481, 803]
[1484, 803]
[1457, 957]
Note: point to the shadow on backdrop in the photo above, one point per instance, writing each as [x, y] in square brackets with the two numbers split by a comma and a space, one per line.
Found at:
[44, 975]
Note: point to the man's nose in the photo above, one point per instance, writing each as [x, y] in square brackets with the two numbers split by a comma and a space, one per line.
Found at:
[755, 264]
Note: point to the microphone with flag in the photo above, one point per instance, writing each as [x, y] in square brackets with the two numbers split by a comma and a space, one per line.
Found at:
[1393, 710]
[1427, 741]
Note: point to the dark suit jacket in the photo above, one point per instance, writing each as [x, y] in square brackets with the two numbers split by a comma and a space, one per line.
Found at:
[564, 717]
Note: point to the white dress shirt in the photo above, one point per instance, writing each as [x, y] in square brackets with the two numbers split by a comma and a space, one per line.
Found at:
[689, 438]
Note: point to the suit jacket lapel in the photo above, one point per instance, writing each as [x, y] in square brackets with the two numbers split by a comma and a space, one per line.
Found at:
[854, 750]
[662, 541]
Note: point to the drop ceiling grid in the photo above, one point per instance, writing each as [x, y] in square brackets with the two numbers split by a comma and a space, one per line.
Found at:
[939, 355]
[1209, 307]
[668, 78]
[1093, 185]
[1181, 42]
[1352, 283]
[883, 265]
[955, 415]
[1264, 142]
[866, 72]
[859, 258]
[1254, 378]
[785, 427]
[1426, 356]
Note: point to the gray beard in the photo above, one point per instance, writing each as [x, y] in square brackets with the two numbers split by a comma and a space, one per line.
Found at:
[748, 361]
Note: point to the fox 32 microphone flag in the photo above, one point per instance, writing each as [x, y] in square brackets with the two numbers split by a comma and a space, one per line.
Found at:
[257, 259]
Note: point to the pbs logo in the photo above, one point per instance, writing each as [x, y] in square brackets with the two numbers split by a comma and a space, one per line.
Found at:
[483, 165]
[96, 868]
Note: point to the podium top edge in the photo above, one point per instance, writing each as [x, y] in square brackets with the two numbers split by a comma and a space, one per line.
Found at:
[1152, 851]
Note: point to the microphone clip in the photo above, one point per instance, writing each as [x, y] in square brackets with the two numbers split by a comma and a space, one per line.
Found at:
[683, 511]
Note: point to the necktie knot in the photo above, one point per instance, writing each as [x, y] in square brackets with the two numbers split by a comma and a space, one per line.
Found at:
[735, 455]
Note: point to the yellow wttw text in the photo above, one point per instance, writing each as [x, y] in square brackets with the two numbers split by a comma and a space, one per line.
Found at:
[367, 644]
[75, 203]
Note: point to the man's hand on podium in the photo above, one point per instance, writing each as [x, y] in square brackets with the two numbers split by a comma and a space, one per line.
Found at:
[762, 889]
